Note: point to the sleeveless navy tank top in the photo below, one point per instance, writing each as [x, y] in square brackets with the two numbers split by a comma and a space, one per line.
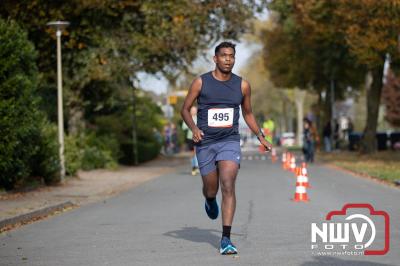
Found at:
[218, 108]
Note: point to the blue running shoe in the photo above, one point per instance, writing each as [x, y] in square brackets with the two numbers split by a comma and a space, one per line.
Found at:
[227, 248]
[212, 209]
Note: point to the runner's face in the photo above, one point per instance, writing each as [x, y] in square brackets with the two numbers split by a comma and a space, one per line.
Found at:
[225, 59]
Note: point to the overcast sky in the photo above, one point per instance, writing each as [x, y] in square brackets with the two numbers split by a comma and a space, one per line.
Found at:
[244, 50]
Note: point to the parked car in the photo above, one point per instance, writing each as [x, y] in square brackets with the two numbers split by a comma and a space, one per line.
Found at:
[288, 139]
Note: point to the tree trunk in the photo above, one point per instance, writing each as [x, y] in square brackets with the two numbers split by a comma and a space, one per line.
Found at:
[284, 116]
[319, 110]
[327, 115]
[76, 120]
[299, 100]
[327, 108]
[369, 144]
[290, 118]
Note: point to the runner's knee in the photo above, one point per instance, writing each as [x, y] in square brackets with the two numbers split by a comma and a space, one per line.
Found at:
[228, 186]
[210, 185]
[210, 192]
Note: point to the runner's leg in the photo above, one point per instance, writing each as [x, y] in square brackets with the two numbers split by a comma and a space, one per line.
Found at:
[227, 174]
[210, 189]
[210, 184]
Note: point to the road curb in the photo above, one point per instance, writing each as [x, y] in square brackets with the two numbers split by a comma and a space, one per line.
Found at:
[27, 217]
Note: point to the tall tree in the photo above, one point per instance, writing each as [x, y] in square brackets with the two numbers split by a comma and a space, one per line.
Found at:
[306, 49]
[111, 40]
[371, 29]
[346, 38]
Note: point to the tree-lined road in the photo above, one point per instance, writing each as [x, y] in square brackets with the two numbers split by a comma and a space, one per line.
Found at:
[163, 222]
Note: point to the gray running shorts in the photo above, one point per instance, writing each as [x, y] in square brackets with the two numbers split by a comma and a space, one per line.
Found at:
[209, 155]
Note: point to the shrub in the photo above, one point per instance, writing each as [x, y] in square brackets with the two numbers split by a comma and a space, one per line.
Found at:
[146, 151]
[25, 147]
[46, 162]
[119, 125]
[100, 152]
[74, 149]
[88, 151]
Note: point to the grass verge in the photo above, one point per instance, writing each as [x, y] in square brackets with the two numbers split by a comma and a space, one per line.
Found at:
[381, 165]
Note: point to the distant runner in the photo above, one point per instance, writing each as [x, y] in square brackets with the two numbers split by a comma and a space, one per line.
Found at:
[190, 142]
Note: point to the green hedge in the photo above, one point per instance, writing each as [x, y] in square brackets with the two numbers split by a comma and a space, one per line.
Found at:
[89, 151]
[46, 162]
[146, 151]
[27, 144]
[119, 125]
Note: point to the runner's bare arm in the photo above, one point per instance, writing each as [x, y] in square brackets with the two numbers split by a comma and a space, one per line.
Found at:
[248, 115]
[192, 95]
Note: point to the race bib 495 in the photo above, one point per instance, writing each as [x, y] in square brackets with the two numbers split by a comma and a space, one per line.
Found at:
[220, 117]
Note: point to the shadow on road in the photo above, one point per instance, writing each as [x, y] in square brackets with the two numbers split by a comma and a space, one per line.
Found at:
[197, 235]
[324, 260]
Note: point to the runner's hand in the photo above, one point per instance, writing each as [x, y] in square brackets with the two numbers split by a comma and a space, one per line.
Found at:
[266, 144]
[197, 135]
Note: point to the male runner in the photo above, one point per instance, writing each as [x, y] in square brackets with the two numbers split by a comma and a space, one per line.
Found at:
[219, 94]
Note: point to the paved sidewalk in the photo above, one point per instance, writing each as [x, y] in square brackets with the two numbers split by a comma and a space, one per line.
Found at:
[88, 187]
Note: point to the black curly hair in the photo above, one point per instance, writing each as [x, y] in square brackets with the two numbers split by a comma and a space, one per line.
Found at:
[225, 45]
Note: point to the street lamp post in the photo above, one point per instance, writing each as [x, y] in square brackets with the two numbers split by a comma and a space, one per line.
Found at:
[134, 131]
[59, 26]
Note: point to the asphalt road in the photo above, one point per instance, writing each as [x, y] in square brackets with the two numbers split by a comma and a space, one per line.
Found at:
[163, 222]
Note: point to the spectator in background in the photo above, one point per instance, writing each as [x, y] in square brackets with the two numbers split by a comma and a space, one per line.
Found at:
[336, 135]
[315, 135]
[269, 129]
[309, 140]
[174, 139]
[166, 136]
[190, 142]
[170, 139]
[350, 128]
[327, 137]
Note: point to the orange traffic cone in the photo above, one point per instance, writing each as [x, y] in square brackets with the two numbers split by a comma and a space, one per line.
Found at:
[304, 172]
[301, 180]
[283, 160]
[288, 159]
[292, 163]
[304, 169]
[273, 155]
[301, 194]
